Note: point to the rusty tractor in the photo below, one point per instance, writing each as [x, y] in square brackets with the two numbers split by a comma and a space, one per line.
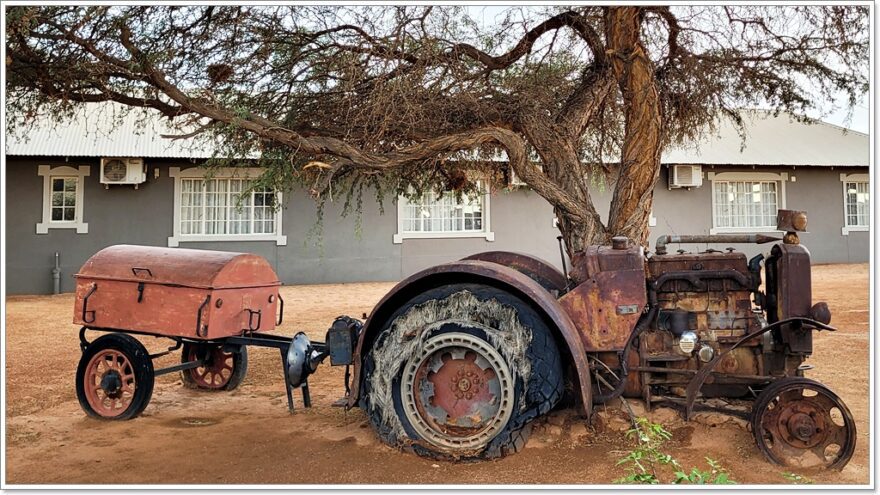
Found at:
[456, 361]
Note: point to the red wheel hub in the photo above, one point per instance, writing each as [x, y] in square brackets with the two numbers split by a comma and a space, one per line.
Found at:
[457, 391]
[109, 383]
[461, 390]
[217, 370]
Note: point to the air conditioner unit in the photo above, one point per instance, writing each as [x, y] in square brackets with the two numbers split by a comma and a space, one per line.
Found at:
[123, 171]
[685, 176]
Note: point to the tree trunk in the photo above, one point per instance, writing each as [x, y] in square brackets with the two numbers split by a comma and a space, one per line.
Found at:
[567, 171]
[640, 160]
[557, 145]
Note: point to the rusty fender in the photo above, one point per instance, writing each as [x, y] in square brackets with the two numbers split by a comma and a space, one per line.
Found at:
[537, 269]
[696, 382]
[475, 271]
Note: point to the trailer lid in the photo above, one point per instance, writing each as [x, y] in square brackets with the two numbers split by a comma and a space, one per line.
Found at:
[196, 268]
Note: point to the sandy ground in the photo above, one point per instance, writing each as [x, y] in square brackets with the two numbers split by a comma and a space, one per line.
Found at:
[247, 436]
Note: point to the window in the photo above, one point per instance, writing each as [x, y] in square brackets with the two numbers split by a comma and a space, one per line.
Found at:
[443, 215]
[63, 198]
[223, 207]
[212, 207]
[746, 202]
[856, 203]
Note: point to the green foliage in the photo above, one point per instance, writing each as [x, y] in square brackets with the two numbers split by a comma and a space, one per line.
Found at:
[797, 479]
[647, 464]
[716, 475]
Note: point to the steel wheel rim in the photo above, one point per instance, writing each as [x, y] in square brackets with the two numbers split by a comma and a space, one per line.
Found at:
[216, 372]
[795, 428]
[458, 392]
[109, 383]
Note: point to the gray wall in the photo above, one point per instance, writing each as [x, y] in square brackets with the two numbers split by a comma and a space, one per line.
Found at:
[817, 190]
[123, 215]
[521, 220]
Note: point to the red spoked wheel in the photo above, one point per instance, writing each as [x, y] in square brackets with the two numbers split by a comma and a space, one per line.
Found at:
[110, 383]
[114, 378]
[220, 370]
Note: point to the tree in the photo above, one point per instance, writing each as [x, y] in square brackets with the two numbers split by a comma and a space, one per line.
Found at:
[402, 99]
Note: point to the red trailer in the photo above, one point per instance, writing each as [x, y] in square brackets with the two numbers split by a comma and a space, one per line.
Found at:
[212, 304]
[189, 293]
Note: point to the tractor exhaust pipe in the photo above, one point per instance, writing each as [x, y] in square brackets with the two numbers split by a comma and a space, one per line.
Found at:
[663, 240]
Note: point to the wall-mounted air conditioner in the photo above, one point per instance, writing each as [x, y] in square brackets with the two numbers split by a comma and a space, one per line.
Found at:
[685, 176]
[123, 171]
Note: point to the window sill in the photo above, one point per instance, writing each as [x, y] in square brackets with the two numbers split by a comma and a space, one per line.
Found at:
[398, 238]
[280, 240]
[854, 228]
[744, 230]
[44, 227]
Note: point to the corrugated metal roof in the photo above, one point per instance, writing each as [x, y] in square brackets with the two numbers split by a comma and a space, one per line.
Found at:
[776, 140]
[98, 130]
[103, 129]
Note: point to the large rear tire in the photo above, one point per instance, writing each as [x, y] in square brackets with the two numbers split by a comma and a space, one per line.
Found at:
[459, 372]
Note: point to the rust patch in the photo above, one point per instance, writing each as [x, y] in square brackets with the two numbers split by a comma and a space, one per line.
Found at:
[176, 292]
[537, 269]
[606, 307]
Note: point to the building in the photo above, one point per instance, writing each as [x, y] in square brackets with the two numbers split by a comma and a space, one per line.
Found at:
[56, 203]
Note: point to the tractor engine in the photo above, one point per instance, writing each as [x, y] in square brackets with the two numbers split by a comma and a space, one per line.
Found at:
[704, 306]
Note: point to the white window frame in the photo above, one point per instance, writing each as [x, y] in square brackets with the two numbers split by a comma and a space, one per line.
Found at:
[48, 173]
[486, 233]
[226, 173]
[844, 178]
[780, 178]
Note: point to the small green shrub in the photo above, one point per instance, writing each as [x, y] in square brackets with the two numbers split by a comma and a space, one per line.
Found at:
[797, 479]
[646, 464]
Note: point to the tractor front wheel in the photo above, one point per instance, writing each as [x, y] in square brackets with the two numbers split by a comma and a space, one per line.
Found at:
[798, 422]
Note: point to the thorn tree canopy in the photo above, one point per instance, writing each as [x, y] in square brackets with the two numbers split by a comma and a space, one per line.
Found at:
[402, 99]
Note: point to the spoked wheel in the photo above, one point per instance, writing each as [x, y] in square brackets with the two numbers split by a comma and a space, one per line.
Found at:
[458, 392]
[799, 422]
[221, 370]
[114, 379]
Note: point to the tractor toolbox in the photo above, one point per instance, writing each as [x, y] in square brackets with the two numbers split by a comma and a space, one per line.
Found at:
[191, 293]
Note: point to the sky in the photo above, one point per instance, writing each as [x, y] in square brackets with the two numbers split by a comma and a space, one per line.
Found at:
[860, 118]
